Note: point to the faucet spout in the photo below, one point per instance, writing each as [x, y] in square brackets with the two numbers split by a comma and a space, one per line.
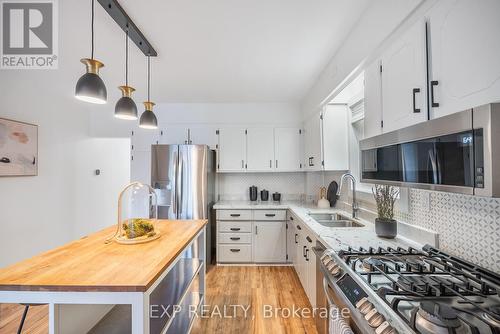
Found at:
[354, 205]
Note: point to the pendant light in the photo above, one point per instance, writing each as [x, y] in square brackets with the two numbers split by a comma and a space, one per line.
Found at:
[125, 107]
[90, 87]
[148, 118]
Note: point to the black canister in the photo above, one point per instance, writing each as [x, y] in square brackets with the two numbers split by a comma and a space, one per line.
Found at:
[253, 193]
[277, 197]
[264, 195]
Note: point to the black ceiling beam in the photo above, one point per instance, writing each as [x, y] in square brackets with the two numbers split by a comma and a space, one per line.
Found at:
[121, 17]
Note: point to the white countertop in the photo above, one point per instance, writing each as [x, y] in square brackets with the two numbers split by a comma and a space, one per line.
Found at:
[339, 237]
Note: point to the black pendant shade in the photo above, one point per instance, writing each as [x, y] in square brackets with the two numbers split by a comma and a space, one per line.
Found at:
[125, 107]
[90, 87]
[148, 118]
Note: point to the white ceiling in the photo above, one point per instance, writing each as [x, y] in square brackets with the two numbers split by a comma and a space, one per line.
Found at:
[241, 51]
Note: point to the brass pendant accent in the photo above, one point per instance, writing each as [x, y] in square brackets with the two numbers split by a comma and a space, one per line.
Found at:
[126, 91]
[92, 65]
[149, 105]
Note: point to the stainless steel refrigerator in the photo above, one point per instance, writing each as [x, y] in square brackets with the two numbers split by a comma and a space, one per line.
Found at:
[184, 179]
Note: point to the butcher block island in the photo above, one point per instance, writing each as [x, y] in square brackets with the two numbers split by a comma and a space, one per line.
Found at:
[96, 286]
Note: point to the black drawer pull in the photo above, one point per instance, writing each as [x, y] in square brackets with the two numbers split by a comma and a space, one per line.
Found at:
[304, 251]
[307, 254]
[235, 228]
[235, 238]
[270, 215]
[235, 215]
[291, 218]
[415, 91]
[235, 250]
[309, 239]
[296, 235]
[299, 228]
[433, 104]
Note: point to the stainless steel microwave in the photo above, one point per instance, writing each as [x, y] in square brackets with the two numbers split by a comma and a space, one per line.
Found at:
[456, 153]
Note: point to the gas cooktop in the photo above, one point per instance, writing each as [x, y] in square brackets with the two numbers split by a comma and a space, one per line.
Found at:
[431, 291]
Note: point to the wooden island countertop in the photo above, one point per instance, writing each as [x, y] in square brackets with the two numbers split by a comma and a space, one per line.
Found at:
[91, 265]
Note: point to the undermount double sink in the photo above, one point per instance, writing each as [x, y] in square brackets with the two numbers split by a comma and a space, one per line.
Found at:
[334, 220]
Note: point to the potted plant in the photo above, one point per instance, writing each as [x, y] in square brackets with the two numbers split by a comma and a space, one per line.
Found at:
[385, 197]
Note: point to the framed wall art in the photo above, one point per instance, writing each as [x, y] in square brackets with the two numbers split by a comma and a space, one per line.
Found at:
[18, 148]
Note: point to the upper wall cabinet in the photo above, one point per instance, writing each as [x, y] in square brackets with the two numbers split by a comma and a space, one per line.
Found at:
[373, 100]
[288, 150]
[404, 80]
[141, 139]
[335, 134]
[465, 54]
[182, 134]
[260, 149]
[326, 139]
[312, 142]
[232, 150]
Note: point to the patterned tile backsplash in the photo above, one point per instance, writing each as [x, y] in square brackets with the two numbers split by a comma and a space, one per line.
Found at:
[468, 226]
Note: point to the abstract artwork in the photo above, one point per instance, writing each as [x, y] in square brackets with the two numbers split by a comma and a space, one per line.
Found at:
[18, 148]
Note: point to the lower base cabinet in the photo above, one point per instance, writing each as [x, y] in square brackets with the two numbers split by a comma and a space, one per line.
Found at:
[251, 236]
[269, 242]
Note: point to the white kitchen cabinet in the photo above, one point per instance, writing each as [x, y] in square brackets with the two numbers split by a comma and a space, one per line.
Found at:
[140, 166]
[404, 66]
[312, 143]
[288, 149]
[260, 149]
[142, 139]
[232, 150]
[464, 49]
[173, 135]
[269, 242]
[203, 135]
[290, 239]
[335, 124]
[373, 100]
[310, 268]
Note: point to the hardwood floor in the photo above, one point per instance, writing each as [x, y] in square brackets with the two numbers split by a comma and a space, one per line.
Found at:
[36, 322]
[253, 288]
[235, 300]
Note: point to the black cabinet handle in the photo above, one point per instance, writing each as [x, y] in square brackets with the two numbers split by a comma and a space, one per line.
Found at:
[235, 215]
[415, 91]
[307, 254]
[235, 250]
[235, 238]
[291, 218]
[304, 251]
[296, 235]
[299, 228]
[270, 215]
[235, 228]
[309, 239]
[433, 83]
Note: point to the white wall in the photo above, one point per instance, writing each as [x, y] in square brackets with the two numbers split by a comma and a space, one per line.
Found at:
[60, 204]
[378, 21]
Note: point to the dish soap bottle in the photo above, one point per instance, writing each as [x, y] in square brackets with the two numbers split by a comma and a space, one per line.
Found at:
[323, 203]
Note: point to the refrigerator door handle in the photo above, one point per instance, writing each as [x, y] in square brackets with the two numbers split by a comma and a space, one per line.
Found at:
[176, 161]
[180, 186]
[178, 183]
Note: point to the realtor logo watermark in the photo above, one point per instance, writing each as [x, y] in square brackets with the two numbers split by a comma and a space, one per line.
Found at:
[29, 34]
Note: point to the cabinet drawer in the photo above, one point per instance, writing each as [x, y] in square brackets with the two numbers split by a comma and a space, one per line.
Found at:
[235, 253]
[234, 238]
[234, 215]
[269, 215]
[234, 226]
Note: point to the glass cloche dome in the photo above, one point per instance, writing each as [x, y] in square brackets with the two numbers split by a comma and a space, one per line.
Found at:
[137, 214]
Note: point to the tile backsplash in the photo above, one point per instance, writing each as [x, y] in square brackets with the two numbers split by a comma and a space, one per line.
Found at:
[468, 226]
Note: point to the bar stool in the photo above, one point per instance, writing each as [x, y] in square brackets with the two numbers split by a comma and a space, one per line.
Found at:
[25, 314]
